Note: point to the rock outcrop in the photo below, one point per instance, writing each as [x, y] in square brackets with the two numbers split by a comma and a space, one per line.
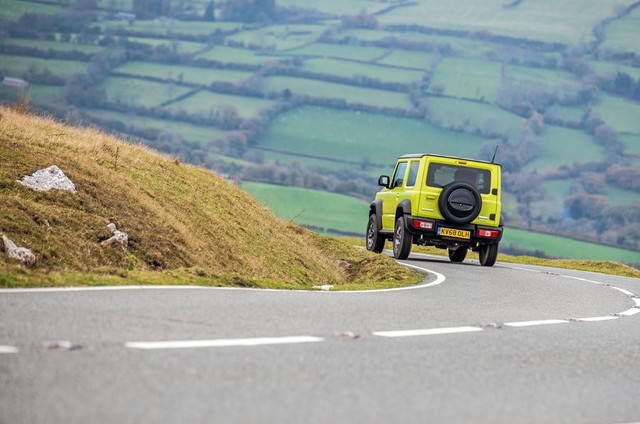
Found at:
[21, 254]
[120, 239]
[47, 179]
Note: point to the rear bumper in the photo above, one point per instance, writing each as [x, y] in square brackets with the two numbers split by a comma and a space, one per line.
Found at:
[442, 233]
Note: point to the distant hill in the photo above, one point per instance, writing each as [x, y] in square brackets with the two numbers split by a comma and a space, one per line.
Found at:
[185, 224]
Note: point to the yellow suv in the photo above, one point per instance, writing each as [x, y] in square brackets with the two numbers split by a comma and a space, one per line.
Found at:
[446, 202]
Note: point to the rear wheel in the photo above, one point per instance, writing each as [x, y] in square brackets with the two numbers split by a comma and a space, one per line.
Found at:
[458, 255]
[488, 254]
[375, 242]
[401, 240]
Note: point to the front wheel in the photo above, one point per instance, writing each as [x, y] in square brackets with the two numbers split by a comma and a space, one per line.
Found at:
[488, 254]
[375, 242]
[458, 255]
[401, 240]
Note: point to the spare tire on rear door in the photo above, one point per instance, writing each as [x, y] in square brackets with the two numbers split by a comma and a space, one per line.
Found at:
[460, 203]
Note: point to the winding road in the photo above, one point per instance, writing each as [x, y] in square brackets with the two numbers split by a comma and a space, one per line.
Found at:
[471, 344]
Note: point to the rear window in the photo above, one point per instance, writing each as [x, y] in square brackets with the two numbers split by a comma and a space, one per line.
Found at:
[440, 174]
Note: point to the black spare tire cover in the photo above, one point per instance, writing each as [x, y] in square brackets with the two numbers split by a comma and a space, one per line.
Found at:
[460, 203]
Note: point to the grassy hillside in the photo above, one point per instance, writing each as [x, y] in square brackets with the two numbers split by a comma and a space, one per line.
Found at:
[185, 224]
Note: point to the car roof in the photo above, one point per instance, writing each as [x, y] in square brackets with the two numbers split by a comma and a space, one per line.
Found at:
[419, 155]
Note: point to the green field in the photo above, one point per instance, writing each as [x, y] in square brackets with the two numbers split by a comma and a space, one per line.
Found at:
[343, 134]
[467, 78]
[205, 102]
[339, 7]
[187, 74]
[178, 46]
[53, 45]
[12, 10]
[631, 143]
[621, 114]
[560, 247]
[566, 113]
[227, 54]
[335, 211]
[359, 70]
[360, 53]
[279, 37]
[38, 92]
[169, 28]
[138, 92]
[16, 66]
[536, 20]
[564, 146]
[188, 132]
[348, 93]
[474, 117]
[618, 34]
[310, 207]
[408, 59]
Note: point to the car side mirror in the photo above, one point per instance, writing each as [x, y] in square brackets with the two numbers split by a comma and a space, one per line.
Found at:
[383, 181]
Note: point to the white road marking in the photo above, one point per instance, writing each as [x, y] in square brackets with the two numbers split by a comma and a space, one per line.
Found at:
[192, 344]
[427, 332]
[8, 349]
[596, 319]
[534, 323]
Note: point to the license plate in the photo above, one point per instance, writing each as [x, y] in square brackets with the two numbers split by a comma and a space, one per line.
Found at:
[451, 232]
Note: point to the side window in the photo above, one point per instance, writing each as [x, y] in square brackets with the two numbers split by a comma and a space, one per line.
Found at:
[398, 176]
[413, 173]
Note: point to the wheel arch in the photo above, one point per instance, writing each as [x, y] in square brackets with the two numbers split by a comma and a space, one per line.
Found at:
[375, 208]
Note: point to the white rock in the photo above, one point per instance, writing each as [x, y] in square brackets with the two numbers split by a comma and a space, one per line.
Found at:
[324, 287]
[120, 238]
[47, 179]
[21, 254]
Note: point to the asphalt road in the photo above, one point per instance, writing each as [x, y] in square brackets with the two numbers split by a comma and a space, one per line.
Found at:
[508, 344]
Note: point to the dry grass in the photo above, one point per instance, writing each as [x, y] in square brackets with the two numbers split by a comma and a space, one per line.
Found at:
[184, 223]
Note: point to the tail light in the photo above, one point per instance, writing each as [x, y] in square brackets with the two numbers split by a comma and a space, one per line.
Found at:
[422, 225]
[490, 234]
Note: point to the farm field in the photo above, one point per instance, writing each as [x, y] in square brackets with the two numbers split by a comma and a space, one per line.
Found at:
[473, 117]
[188, 132]
[357, 53]
[178, 46]
[278, 37]
[187, 74]
[168, 28]
[408, 59]
[53, 45]
[227, 54]
[632, 144]
[540, 20]
[340, 7]
[310, 207]
[617, 34]
[138, 92]
[563, 146]
[348, 93]
[341, 134]
[12, 10]
[17, 66]
[358, 70]
[468, 78]
[621, 114]
[207, 102]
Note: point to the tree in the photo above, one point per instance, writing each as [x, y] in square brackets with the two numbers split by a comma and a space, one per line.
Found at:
[209, 13]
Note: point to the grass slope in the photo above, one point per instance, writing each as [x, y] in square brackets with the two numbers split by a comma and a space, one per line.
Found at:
[185, 224]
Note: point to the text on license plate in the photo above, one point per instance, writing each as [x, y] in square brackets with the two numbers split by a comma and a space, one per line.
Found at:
[451, 232]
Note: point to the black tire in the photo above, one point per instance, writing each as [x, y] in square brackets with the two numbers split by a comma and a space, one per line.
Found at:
[458, 254]
[402, 240]
[488, 254]
[375, 242]
[460, 203]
